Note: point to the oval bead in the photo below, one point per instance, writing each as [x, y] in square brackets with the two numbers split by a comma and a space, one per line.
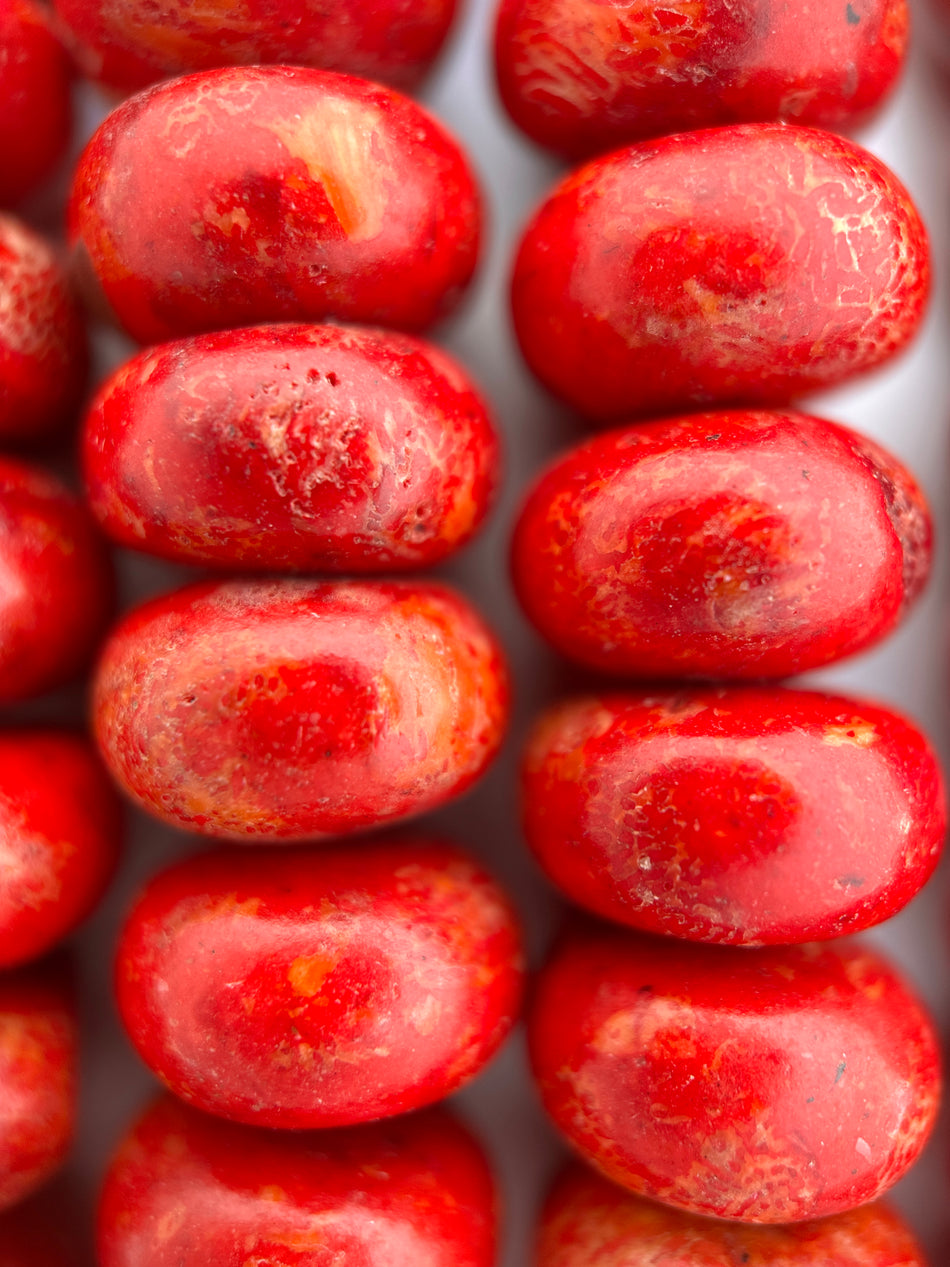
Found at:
[57, 592]
[297, 448]
[748, 817]
[317, 988]
[35, 106]
[273, 193]
[766, 1086]
[60, 827]
[292, 710]
[398, 1194]
[132, 45]
[43, 355]
[736, 545]
[582, 77]
[748, 264]
[39, 1051]
[588, 1221]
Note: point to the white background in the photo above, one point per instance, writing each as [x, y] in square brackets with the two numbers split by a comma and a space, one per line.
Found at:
[907, 407]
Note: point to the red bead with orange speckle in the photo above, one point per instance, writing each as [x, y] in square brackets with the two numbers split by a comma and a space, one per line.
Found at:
[320, 987]
[588, 1221]
[136, 43]
[60, 823]
[298, 448]
[38, 1056]
[748, 264]
[57, 591]
[186, 1190]
[35, 109]
[739, 544]
[582, 76]
[748, 817]
[291, 710]
[273, 193]
[43, 355]
[767, 1086]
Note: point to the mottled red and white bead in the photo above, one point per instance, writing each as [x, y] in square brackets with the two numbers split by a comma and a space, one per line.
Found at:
[582, 76]
[292, 710]
[273, 193]
[320, 987]
[765, 1086]
[188, 1190]
[749, 264]
[292, 448]
[737, 544]
[43, 354]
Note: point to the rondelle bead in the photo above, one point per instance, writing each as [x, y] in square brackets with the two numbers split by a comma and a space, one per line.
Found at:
[43, 354]
[60, 823]
[320, 987]
[582, 77]
[292, 710]
[39, 1051]
[589, 1222]
[292, 448]
[135, 44]
[739, 544]
[766, 1086]
[35, 108]
[187, 1190]
[57, 594]
[749, 264]
[273, 193]
[740, 816]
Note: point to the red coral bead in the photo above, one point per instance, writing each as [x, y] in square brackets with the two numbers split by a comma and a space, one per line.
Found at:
[57, 590]
[273, 193]
[749, 264]
[317, 988]
[310, 448]
[588, 1221]
[746, 817]
[35, 109]
[737, 544]
[60, 823]
[43, 355]
[581, 76]
[38, 1055]
[290, 710]
[136, 43]
[767, 1086]
[186, 1190]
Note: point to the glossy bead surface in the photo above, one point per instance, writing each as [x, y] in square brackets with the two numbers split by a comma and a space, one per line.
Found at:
[766, 1086]
[582, 76]
[291, 710]
[320, 987]
[739, 544]
[747, 817]
[43, 356]
[274, 193]
[186, 1190]
[298, 448]
[136, 43]
[589, 1222]
[60, 825]
[748, 264]
[57, 590]
[35, 110]
[38, 1056]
